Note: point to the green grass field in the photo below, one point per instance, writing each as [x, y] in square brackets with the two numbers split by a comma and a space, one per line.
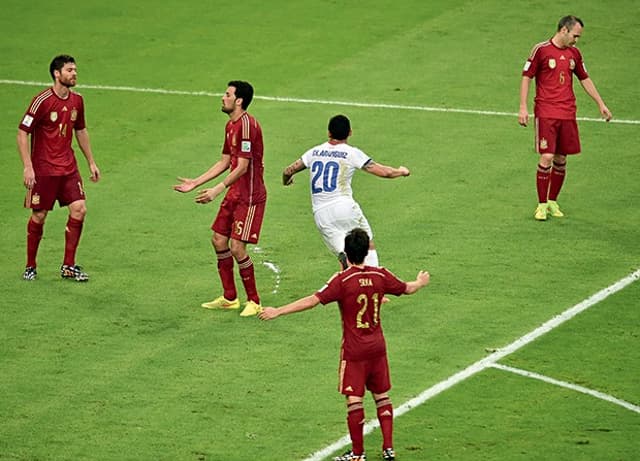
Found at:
[129, 367]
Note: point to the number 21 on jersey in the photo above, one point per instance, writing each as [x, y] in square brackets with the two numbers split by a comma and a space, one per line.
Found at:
[364, 303]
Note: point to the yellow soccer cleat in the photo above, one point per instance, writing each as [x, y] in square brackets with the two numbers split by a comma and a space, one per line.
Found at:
[222, 303]
[251, 309]
[541, 212]
[554, 209]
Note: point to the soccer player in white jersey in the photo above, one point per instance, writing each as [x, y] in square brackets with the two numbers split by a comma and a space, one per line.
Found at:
[332, 165]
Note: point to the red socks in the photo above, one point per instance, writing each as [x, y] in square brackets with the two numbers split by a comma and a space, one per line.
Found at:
[34, 235]
[549, 181]
[225, 270]
[385, 417]
[249, 279]
[355, 422]
[72, 233]
[557, 179]
[542, 183]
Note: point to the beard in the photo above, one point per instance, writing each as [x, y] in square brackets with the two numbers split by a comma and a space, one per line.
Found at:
[69, 83]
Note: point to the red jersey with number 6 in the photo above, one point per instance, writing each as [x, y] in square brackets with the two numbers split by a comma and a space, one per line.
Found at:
[553, 68]
[51, 120]
[243, 138]
[359, 292]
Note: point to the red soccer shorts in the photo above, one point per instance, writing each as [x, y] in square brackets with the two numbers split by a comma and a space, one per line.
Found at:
[372, 374]
[239, 220]
[557, 136]
[47, 189]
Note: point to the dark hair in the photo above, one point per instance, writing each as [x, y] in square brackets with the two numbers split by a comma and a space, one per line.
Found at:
[356, 245]
[339, 127]
[244, 90]
[569, 22]
[58, 63]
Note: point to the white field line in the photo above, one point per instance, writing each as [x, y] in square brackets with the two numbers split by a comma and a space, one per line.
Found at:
[486, 362]
[306, 101]
[574, 387]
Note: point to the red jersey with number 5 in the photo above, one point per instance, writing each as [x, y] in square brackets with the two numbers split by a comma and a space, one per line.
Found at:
[553, 68]
[243, 138]
[359, 292]
[51, 120]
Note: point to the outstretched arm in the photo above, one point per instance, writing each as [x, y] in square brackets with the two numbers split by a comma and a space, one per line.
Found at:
[188, 184]
[287, 174]
[301, 304]
[207, 195]
[384, 171]
[421, 281]
[590, 89]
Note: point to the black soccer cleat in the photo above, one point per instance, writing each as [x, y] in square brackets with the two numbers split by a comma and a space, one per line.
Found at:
[349, 456]
[73, 272]
[29, 273]
[388, 454]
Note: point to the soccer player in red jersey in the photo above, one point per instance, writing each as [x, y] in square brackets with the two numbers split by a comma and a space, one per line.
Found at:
[239, 219]
[553, 64]
[50, 167]
[359, 291]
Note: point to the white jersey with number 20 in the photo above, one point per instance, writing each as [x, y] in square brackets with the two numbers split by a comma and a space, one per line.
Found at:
[331, 169]
[334, 209]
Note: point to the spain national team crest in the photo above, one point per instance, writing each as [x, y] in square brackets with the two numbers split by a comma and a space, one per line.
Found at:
[53, 116]
[233, 141]
[552, 63]
[543, 144]
[35, 199]
[572, 64]
[74, 115]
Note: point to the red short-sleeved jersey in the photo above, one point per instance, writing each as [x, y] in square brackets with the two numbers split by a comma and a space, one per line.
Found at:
[51, 120]
[243, 138]
[553, 68]
[359, 293]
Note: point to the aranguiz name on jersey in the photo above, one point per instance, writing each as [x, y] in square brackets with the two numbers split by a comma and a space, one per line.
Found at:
[329, 153]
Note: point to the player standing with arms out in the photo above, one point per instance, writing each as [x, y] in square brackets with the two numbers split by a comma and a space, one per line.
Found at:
[241, 212]
[50, 166]
[332, 165]
[553, 64]
[359, 291]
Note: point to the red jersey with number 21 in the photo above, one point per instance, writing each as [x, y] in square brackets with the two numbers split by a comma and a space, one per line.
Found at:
[359, 292]
[553, 68]
[51, 120]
